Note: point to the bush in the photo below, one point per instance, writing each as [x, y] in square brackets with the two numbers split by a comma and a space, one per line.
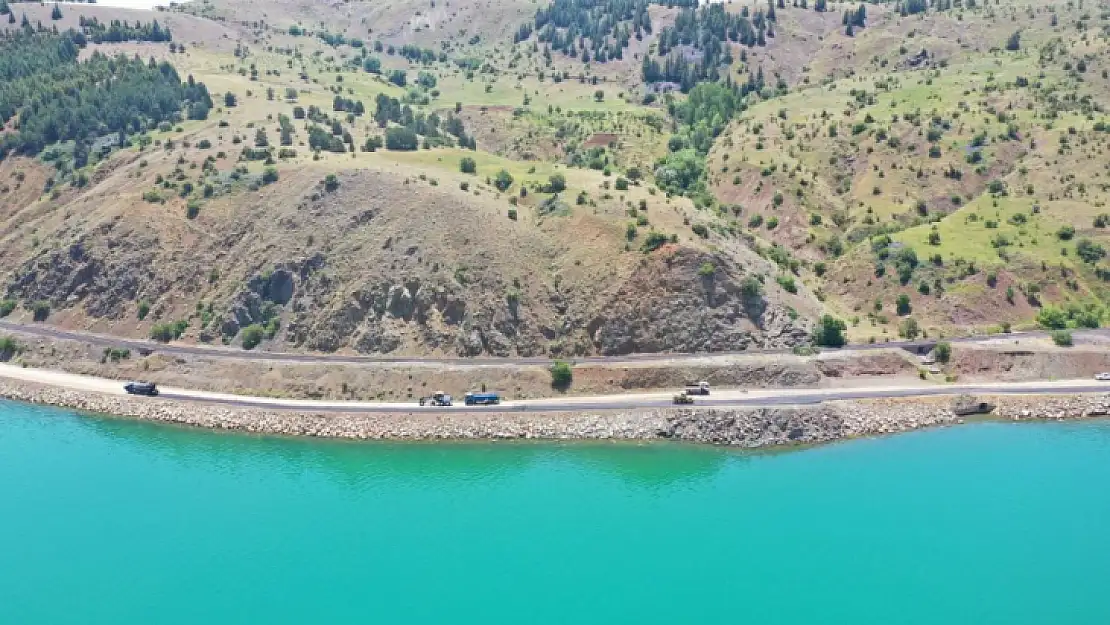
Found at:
[557, 183]
[751, 288]
[902, 304]
[707, 269]
[621, 184]
[6, 307]
[401, 139]
[943, 351]
[561, 375]
[653, 241]
[1065, 233]
[269, 175]
[468, 165]
[331, 183]
[503, 180]
[9, 347]
[830, 332]
[909, 328]
[1062, 338]
[700, 230]
[144, 309]
[40, 310]
[787, 283]
[252, 336]
[1052, 318]
[166, 332]
[192, 209]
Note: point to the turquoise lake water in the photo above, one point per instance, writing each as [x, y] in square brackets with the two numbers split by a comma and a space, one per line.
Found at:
[111, 521]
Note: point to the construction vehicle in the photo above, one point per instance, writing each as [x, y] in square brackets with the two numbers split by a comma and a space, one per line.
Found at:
[438, 398]
[701, 388]
[481, 399]
[682, 399]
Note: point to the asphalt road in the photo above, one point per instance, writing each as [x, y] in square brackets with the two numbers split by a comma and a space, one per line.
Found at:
[719, 398]
[143, 346]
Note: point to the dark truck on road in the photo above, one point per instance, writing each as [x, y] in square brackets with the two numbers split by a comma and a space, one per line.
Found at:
[481, 399]
[141, 388]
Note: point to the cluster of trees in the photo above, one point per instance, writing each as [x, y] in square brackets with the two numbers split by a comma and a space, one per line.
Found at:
[118, 31]
[416, 54]
[854, 19]
[339, 103]
[591, 29]
[412, 125]
[913, 7]
[707, 33]
[57, 98]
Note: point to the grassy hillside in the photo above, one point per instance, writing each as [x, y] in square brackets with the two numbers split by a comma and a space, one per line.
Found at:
[473, 180]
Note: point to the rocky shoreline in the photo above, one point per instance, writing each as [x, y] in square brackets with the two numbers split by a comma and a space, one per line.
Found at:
[737, 427]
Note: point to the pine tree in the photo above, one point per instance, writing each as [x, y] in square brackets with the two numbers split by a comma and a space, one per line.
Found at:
[11, 18]
[56, 14]
[4, 8]
[24, 23]
[849, 30]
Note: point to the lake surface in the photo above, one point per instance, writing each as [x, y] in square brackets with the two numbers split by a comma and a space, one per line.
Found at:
[112, 521]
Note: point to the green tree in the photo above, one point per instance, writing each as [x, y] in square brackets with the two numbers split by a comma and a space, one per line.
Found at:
[230, 101]
[1014, 41]
[331, 183]
[556, 183]
[503, 180]
[943, 351]
[902, 305]
[561, 375]
[252, 336]
[468, 165]
[56, 13]
[830, 332]
[909, 328]
[269, 175]
[402, 139]
[1062, 338]
[1052, 318]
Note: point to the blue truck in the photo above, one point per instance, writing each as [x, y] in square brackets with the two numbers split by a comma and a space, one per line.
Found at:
[481, 399]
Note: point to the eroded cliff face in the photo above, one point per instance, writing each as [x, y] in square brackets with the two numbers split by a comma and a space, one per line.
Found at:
[352, 269]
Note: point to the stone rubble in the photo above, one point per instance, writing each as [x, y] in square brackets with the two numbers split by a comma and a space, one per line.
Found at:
[737, 427]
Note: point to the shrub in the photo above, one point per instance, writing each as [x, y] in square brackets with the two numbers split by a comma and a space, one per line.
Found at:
[503, 180]
[165, 332]
[909, 328]
[707, 269]
[9, 347]
[751, 288]
[787, 283]
[700, 230]
[468, 165]
[943, 351]
[144, 309]
[1065, 233]
[653, 241]
[269, 175]
[830, 332]
[902, 304]
[1052, 318]
[331, 183]
[6, 307]
[252, 336]
[401, 139]
[621, 184]
[192, 209]
[557, 183]
[40, 310]
[561, 375]
[1062, 338]
[1089, 251]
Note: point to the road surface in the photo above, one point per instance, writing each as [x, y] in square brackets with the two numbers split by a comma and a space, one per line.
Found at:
[230, 353]
[722, 398]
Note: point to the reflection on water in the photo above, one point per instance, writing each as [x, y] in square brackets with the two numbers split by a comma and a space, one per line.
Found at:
[355, 462]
